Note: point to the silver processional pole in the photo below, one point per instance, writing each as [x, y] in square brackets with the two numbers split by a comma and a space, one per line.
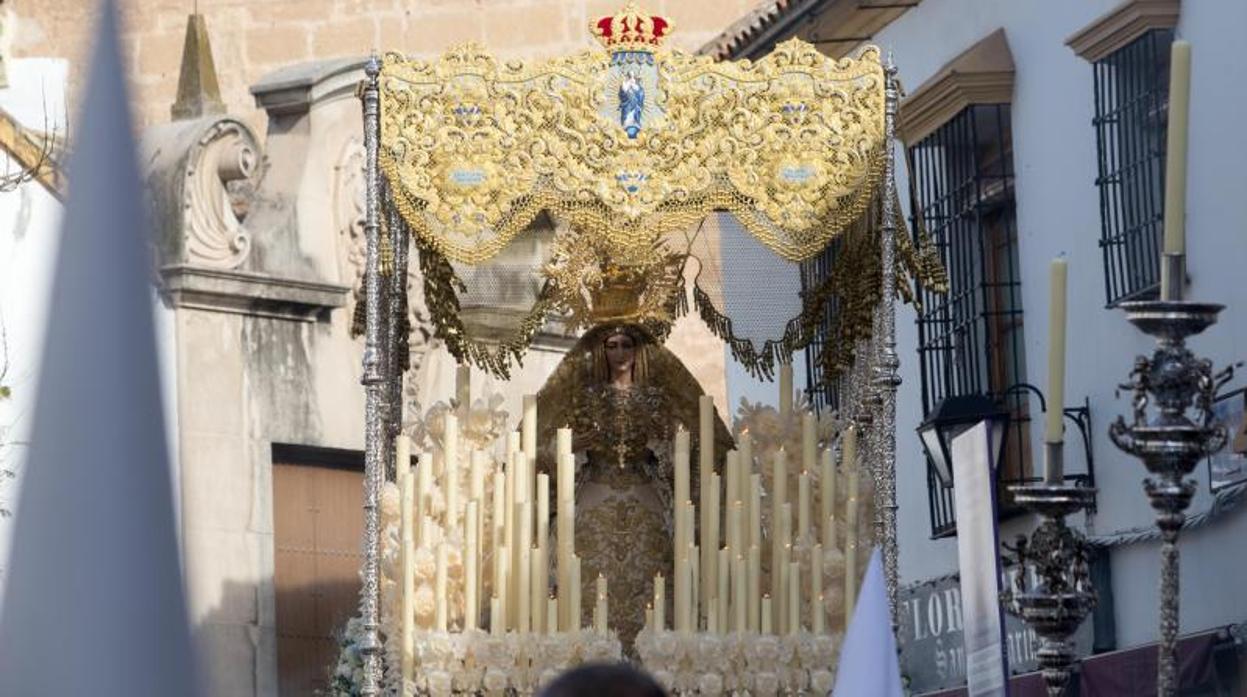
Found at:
[886, 377]
[373, 381]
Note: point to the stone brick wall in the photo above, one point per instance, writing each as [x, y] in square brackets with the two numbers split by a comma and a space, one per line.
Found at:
[253, 37]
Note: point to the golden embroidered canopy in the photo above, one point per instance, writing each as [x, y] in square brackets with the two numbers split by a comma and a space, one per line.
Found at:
[630, 144]
[644, 159]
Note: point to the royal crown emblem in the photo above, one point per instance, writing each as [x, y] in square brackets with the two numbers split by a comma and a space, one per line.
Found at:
[630, 29]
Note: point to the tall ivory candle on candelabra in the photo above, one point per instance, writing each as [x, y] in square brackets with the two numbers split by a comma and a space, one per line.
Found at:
[1053, 426]
[712, 536]
[850, 546]
[536, 590]
[827, 500]
[740, 587]
[523, 569]
[767, 625]
[793, 601]
[816, 589]
[565, 484]
[736, 528]
[600, 608]
[724, 590]
[577, 617]
[1175, 163]
[694, 562]
[660, 602]
[424, 487]
[803, 505]
[731, 485]
[785, 389]
[781, 598]
[754, 587]
[495, 617]
[463, 382]
[543, 509]
[471, 555]
[683, 532]
[407, 481]
[683, 611]
[552, 615]
[450, 455]
[705, 467]
[498, 528]
[502, 586]
[528, 428]
[439, 590]
[779, 478]
[809, 441]
[755, 510]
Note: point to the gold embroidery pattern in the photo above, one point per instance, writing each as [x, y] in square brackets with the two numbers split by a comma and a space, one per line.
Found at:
[475, 148]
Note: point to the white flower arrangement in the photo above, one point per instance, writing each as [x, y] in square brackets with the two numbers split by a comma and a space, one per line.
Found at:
[746, 663]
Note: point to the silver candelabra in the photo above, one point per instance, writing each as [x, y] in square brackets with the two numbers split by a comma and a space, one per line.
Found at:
[1052, 590]
[1168, 441]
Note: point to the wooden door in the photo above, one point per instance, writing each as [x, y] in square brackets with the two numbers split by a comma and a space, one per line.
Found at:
[318, 530]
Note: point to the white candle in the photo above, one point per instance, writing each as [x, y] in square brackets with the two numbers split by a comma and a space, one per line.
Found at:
[439, 589]
[528, 428]
[755, 587]
[552, 615]
[781, 599]
[848, 459]
[723, 591]
[660, 602]
[498, 528]
[1053, 431]
[816, 589]
[495, 616]
[731, 483]
[785, 389]
[471, 554]
[736, 528]
[566, 536]
[828, 499]
[600, 616]
[779, 478]
[680, 461]
[463, 390]
[809, 442]
[684, 572]
[766, 614]
[712, 539]
[803, 505]
[577, 617]
[793, 601]
[694, 562]
[476, 471]
[424, 486]
[705, 468]
[740, 595]
[755, 510]
[523, 567]
[407, 540]
[543, 509]
[536, 590]
[850, 546]
[683, 531]
[1176, 147]
[450, 453]
[502, 589]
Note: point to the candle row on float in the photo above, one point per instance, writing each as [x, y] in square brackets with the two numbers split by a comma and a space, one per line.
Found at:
[718, 588]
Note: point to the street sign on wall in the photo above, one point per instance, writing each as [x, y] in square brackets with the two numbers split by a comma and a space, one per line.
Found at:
[932, 642]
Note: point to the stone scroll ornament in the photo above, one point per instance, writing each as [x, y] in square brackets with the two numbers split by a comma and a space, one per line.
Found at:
[631, 146]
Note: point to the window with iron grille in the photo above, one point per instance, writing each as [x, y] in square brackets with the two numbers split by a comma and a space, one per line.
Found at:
[970, 339]
[1131, 115]
[824, 396]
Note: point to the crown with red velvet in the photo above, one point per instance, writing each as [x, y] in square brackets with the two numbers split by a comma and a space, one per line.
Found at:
[631, 30]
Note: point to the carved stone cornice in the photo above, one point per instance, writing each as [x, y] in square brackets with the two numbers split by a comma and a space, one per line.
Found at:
[201, 174]
[256, 295]
[982, 74]
[1122, 25]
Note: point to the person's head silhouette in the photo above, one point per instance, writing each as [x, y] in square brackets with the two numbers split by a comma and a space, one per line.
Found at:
[603, 680]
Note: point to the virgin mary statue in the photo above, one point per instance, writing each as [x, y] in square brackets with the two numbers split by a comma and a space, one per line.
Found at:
[624, 395]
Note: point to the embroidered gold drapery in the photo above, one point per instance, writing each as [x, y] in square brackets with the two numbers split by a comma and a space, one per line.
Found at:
[629, 149]
[475, 148]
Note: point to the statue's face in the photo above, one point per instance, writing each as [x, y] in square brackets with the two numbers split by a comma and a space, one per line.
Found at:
[620, 353]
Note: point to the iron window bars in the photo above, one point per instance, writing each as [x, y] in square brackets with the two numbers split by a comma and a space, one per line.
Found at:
[1131, 116]
[970, 339]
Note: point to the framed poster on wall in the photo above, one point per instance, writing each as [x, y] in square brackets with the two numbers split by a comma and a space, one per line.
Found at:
[1229, 466]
